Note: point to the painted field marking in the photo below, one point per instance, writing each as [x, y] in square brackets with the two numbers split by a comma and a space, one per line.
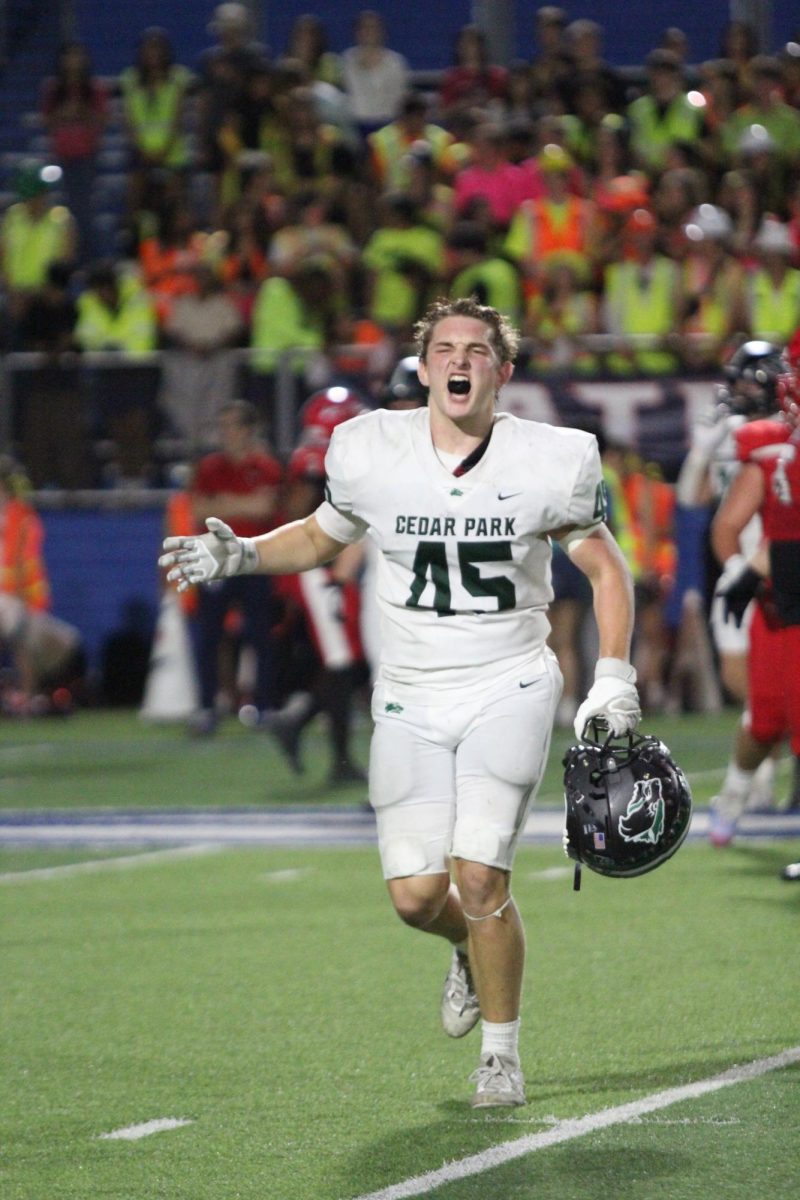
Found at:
[567, 1131]
[121, 863]
[132, 1133]
[550, 874]
[287, 875]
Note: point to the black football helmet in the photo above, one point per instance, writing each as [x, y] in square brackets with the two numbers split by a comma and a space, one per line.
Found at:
[628, 805]
[751, 379]
[405, 389]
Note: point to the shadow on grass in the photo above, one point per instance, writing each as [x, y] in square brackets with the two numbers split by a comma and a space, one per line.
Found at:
[583, 1170]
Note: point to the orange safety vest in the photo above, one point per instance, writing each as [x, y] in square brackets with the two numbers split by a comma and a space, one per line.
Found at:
[179, 522]
[23, 572]
[651, 503]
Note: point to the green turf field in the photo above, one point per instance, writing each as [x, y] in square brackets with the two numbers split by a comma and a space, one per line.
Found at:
[271, 1000]
[113, 759]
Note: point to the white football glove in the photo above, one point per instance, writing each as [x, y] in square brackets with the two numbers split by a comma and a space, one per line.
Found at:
[213, 555]
[612, 698]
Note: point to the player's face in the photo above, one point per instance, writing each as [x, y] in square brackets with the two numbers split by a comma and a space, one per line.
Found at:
[463, 373]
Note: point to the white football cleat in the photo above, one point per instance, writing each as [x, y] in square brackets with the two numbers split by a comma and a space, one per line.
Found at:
[499, 1083]
[460, 1011]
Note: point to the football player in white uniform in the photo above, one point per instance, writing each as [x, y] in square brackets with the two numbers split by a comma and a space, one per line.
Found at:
[463, 503]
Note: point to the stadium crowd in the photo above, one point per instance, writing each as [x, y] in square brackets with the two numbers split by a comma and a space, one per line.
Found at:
[292, 216]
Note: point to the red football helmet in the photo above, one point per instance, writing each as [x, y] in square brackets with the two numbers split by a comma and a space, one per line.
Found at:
[326, 409]
[307, 462]
[788, 382]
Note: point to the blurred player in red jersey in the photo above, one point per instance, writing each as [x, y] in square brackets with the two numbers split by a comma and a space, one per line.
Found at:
[769, 484]
[331, 611]
[238, 484]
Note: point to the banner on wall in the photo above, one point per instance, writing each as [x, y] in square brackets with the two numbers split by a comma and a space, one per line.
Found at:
[652, 416]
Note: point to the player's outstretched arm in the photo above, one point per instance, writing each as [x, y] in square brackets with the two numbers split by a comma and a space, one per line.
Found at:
[218, 554]
[613, 697]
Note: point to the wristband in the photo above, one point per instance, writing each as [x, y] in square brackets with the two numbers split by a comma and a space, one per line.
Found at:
[616, 668]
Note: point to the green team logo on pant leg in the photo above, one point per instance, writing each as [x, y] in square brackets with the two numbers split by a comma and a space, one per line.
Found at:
[643, 820]
[393, 708]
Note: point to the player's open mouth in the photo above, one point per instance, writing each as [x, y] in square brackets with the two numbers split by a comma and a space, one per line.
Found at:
[458, 385]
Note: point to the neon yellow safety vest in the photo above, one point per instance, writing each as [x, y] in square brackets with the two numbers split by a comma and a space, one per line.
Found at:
[652, 133]
[152, 112]
[389, 145]
[643, 303]
[131, 327]
[774, 312]
[29, 247]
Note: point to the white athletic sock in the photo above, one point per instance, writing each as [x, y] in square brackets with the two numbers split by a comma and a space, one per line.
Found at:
[501, 1039]
[734, 792]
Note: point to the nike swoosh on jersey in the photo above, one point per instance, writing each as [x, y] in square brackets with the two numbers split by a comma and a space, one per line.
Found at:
[507, 495]
[530, 683]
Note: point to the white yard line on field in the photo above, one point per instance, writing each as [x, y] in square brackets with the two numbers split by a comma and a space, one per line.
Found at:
[566, 1131]
[132, 1133]
[120, 863]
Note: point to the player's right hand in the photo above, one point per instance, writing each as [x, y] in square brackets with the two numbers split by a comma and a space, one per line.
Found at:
[203, 557]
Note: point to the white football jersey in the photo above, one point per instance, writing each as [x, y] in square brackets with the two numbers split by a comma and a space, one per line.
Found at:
[463, 578]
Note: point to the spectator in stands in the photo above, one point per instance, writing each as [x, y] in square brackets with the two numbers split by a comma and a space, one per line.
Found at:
[474, 271]
[590, 106]
[50, 410]
[404, 259]
[492, 177]
[154, 93]
[36, 642]
[374, 77]
[676, 195]
[559, 316]
[309, 230]
[551, 63]
[389, 146]
[116, 314]
[559, 224]
[664, 115]
[552, 129]
[243, 265]
[34, 233]
[789, 59]
[308, 44]
[250, 123]
[773, 287]
[583, 41]
[739, 46]
[242, 481]
[642, 299]
[169, 256]
[472, 81]
[736, 193]
[22, 568]
[199, 373]
[223, 71]
[74, 109]
[297, 315]
[434, 200]
[712, 290]
[768, 171]
[767, 109]
[520, 102]
[302, 147]
[719, 87]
